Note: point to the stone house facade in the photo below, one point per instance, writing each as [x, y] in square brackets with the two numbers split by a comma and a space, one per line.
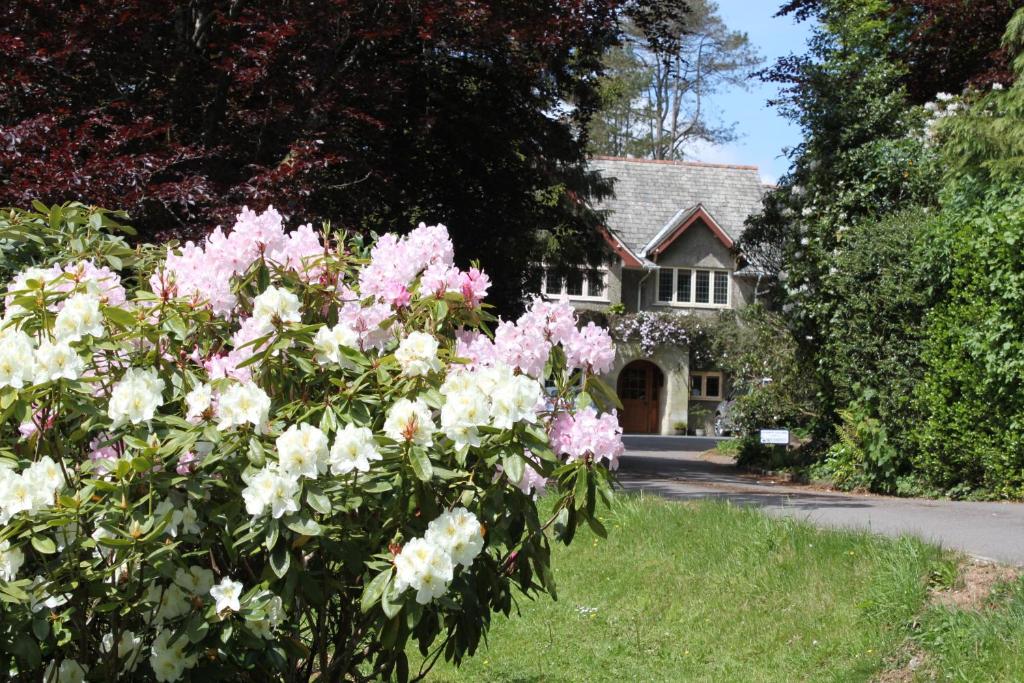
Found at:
[673, 227]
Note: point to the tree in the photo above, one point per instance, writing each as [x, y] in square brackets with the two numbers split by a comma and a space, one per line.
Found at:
[374, 115]
[656, 92]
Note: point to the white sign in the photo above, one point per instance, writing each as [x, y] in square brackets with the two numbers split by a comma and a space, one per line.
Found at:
[775, 436]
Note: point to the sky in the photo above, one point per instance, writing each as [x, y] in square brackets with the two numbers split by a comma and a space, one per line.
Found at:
[762, 133]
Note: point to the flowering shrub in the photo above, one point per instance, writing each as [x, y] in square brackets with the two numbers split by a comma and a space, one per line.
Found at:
[651, 330]
[284, 458]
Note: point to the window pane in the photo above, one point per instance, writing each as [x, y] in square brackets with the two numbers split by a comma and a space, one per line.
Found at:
[665, 284]
[552, 284]
[633, 385]
[595, 284]
[683, 285]
[712, 385]
[703, 287]
[721, 288]
[574, 284]
[696, 384]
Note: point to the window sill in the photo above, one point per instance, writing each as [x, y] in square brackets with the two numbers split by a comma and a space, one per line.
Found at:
[706, 398]
[578, 299]
[672, 304]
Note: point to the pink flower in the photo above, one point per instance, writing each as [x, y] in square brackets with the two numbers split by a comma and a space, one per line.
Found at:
[522, 347]
[397, 295]
[104, 455]
[555, 320]
[476, 347]
[474, 285]
[186, 463]
[586, 435]
[368, 321]
[27, 429]
[590, 349]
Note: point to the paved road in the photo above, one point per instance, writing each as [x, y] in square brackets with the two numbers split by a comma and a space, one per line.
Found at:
[673, 467]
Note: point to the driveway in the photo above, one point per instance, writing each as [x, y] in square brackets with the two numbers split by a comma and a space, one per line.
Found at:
[673, 467]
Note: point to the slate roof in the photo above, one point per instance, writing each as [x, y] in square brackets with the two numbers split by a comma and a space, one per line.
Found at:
[648, 194]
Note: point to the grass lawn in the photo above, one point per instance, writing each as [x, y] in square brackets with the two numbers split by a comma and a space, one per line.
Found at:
[984, 643]
[711, 592]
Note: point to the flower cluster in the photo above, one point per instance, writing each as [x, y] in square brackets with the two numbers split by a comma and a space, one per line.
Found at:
[651, 330]
[588, 436]
[428, 564]
[198, 468]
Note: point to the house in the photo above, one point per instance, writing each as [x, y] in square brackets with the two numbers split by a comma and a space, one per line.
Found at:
[673, 226]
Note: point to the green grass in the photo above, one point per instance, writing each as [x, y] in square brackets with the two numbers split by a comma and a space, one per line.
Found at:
[985, 644]
[710, 592]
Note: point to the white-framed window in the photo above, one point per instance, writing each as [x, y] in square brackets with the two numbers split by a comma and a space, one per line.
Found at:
[706, 386]
[694, 287]
[579, 284]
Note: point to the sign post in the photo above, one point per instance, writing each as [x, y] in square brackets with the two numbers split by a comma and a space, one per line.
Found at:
[775, 437]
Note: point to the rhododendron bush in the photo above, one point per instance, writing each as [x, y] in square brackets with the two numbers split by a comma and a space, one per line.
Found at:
[283, 457]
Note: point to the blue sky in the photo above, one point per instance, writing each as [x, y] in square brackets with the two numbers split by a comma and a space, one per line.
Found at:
[763, 134]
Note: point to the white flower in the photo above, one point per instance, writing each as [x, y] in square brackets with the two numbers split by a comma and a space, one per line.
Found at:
[328, 342]
[459, 534]
[69, 671]
[169, 661]
[128, 647]
[11, 560]
[197, 580]
[79, 317]
[183, 519]
[268, 488]
[45, 477]
[461, 414]
[425, 567]
[171, 602]
[190, 520]
[57, 361]
[515, 400]
[302, 451]
[264, 628]
[227, 594]
[17, 365]
[135, 397]
[276, 304]
[410, 421]
[353, 449]
[40, 598]
[198, 401]
[417, 354]
[241, 404]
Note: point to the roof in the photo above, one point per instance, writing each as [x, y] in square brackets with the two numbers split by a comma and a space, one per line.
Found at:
[650, 195]
[680, 223]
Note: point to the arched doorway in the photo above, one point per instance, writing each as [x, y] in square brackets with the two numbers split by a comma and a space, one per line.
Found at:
[638, 387]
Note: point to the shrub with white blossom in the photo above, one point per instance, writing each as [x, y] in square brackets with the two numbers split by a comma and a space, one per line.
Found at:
[283, 457]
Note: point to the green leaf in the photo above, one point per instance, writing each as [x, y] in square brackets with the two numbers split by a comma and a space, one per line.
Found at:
[306, 527]
[420, 462]
[318, 502]
[374, 590]
[513, 465]
[273, 530]
[280, 560]
[44, 544]
[119, 316]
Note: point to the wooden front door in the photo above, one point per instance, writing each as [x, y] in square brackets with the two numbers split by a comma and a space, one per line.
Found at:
[638, 387]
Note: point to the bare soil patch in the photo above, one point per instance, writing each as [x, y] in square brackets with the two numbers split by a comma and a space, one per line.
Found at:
[974, 586]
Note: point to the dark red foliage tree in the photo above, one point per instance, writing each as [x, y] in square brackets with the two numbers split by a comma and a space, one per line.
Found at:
[375, 115]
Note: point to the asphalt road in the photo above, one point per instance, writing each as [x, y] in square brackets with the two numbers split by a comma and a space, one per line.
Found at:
[673, 467]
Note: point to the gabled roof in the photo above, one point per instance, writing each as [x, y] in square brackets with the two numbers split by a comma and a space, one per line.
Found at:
[652, 195]
[679, 224]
